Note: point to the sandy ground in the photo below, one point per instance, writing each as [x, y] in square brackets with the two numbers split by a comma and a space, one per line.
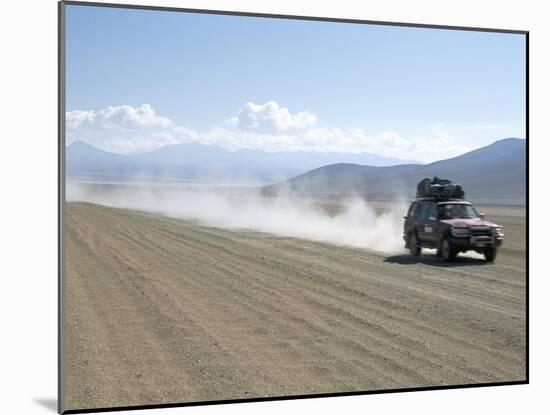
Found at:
[162, 310]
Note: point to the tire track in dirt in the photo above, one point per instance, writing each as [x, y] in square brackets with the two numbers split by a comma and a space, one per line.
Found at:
[320, 305]
[221, 314]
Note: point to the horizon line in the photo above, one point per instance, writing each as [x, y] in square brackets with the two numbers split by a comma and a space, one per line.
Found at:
[405, 162]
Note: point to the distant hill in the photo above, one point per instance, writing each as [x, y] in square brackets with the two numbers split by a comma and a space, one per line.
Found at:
[194, 161]
[492, 174]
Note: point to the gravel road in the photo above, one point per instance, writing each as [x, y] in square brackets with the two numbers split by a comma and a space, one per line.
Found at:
[164, 310]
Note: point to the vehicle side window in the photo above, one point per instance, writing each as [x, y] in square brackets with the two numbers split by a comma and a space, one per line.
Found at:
[425, 212]
[414, 210]
[433, 211]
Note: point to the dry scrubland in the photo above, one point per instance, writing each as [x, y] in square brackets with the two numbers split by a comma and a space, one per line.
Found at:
[165, 310]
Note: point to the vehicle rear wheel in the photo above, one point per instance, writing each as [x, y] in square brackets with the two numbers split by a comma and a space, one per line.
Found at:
[490, 254]
[448, 251]
[414, 246]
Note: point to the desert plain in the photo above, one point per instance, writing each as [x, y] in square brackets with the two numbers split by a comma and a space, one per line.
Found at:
[171, 310]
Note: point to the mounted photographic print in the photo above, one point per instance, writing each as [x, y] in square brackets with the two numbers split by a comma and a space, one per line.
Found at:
[259, 206]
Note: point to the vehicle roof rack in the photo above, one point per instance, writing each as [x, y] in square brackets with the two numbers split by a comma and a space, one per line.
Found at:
[439, 189]
[442, 199]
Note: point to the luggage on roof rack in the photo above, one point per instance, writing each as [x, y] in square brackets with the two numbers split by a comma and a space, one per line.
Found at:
[439, 189]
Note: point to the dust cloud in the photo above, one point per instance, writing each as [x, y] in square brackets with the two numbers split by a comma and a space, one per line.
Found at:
[351, 222]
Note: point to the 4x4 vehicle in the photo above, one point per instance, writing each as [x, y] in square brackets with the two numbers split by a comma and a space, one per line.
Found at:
[450, 226]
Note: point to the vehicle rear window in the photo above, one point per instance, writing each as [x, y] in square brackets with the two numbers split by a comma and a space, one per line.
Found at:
[425, 213]
[414, 211]
[433, 211]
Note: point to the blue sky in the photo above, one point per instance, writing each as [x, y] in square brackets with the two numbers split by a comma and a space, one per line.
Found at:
[365, 88]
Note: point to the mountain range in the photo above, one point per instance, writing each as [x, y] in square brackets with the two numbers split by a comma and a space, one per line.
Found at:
[492, 174]
[195, 161]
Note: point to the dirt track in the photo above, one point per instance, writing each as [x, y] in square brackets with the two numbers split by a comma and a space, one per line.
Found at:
[163, 310]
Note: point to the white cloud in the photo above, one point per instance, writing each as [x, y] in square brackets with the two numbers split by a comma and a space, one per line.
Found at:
[268, 127]
[436, 145]
[125, 129]
[123, 116]
[270, 118]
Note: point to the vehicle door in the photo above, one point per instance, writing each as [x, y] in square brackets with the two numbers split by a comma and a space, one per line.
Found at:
[431, 225]
[412, 217]
[422, 228]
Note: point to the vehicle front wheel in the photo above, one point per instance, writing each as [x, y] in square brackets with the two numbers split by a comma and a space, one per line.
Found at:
[447, 250]
[490, 254]
[414, 246]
